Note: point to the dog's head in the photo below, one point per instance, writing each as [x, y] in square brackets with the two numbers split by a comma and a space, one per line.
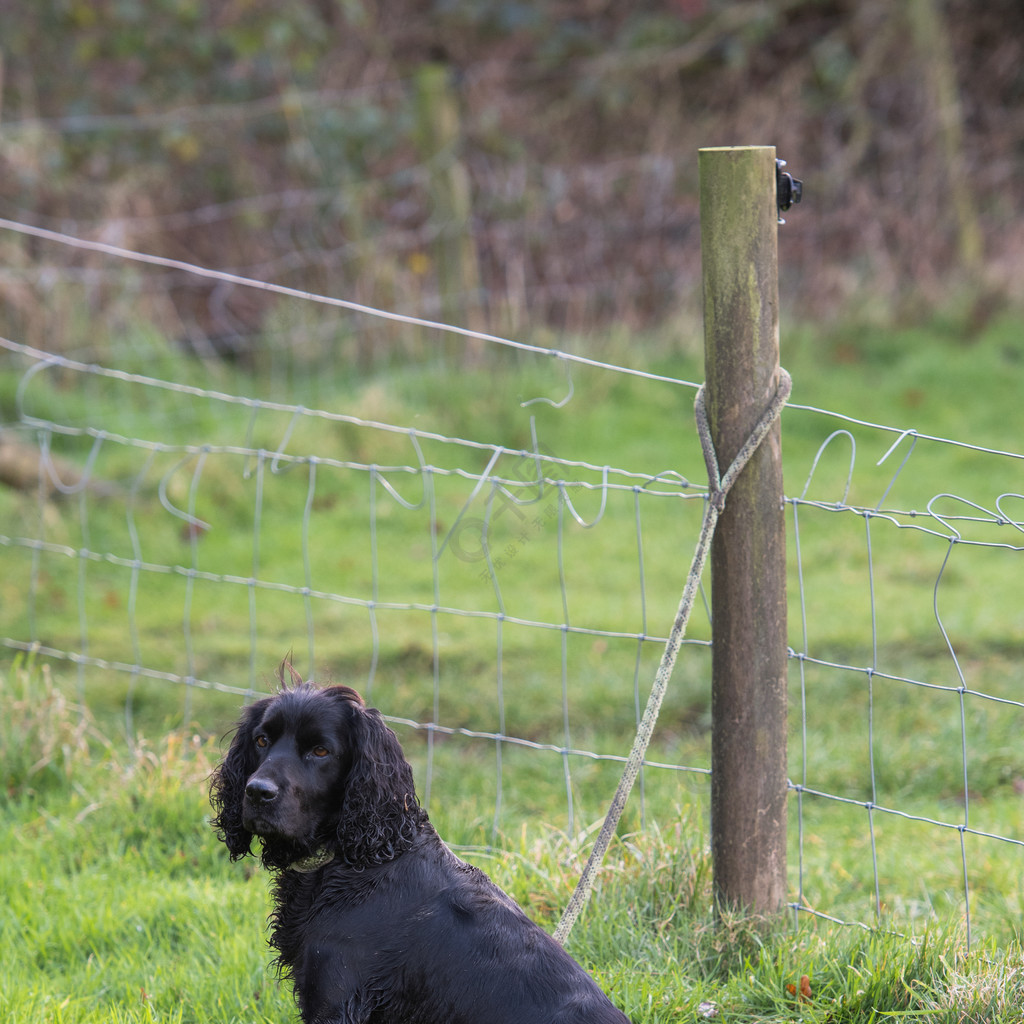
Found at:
[314, 770]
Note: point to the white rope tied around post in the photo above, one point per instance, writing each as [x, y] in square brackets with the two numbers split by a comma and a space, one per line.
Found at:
[718, 489]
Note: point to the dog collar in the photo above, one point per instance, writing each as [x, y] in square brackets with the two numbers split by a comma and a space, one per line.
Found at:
[315, 860]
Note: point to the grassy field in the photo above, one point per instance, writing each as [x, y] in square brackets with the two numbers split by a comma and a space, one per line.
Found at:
[121, 907]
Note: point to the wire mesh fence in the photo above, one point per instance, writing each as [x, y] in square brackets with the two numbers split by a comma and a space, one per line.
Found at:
[459, 545]
[166, 542]
[927, 588]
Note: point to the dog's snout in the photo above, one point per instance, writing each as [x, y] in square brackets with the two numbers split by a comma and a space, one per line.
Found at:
[261, 791]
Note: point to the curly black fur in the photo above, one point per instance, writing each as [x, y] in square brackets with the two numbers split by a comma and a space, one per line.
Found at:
[377, 812]
[375, 920]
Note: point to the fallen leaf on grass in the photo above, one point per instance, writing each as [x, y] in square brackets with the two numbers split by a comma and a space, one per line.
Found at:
[805, 989]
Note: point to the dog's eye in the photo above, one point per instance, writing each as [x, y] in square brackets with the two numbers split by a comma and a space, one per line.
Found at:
[261, 741]
[320, 752]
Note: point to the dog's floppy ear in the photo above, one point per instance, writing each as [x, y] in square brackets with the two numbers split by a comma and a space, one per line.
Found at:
[379, 810]
[227, 784]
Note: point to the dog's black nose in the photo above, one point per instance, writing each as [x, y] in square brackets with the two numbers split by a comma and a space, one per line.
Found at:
[261, 791]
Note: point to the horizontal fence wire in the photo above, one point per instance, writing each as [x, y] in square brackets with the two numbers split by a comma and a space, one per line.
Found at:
[513, 601]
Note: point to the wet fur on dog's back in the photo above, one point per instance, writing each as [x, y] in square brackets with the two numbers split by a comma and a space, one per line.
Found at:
[376, 921]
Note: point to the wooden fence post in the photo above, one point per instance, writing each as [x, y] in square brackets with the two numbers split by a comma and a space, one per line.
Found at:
[439, 133]
[739, 254]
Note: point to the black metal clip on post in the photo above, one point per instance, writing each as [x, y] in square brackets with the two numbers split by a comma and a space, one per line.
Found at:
[788, 190]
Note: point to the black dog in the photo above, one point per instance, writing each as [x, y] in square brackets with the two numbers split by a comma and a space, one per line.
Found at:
[376, 921]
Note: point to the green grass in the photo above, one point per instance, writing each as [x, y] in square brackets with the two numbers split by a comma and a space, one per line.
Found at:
[121, 906]
[103, 815]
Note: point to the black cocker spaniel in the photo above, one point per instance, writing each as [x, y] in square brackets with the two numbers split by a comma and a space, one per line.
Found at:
[376, 921]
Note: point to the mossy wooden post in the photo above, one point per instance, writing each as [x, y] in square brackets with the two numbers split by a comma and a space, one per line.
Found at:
[739, 253]
[439, 134]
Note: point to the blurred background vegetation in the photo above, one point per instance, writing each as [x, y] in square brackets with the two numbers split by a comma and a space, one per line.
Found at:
[526, 168]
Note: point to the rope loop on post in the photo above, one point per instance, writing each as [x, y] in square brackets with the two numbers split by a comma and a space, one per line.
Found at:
[718, 489]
